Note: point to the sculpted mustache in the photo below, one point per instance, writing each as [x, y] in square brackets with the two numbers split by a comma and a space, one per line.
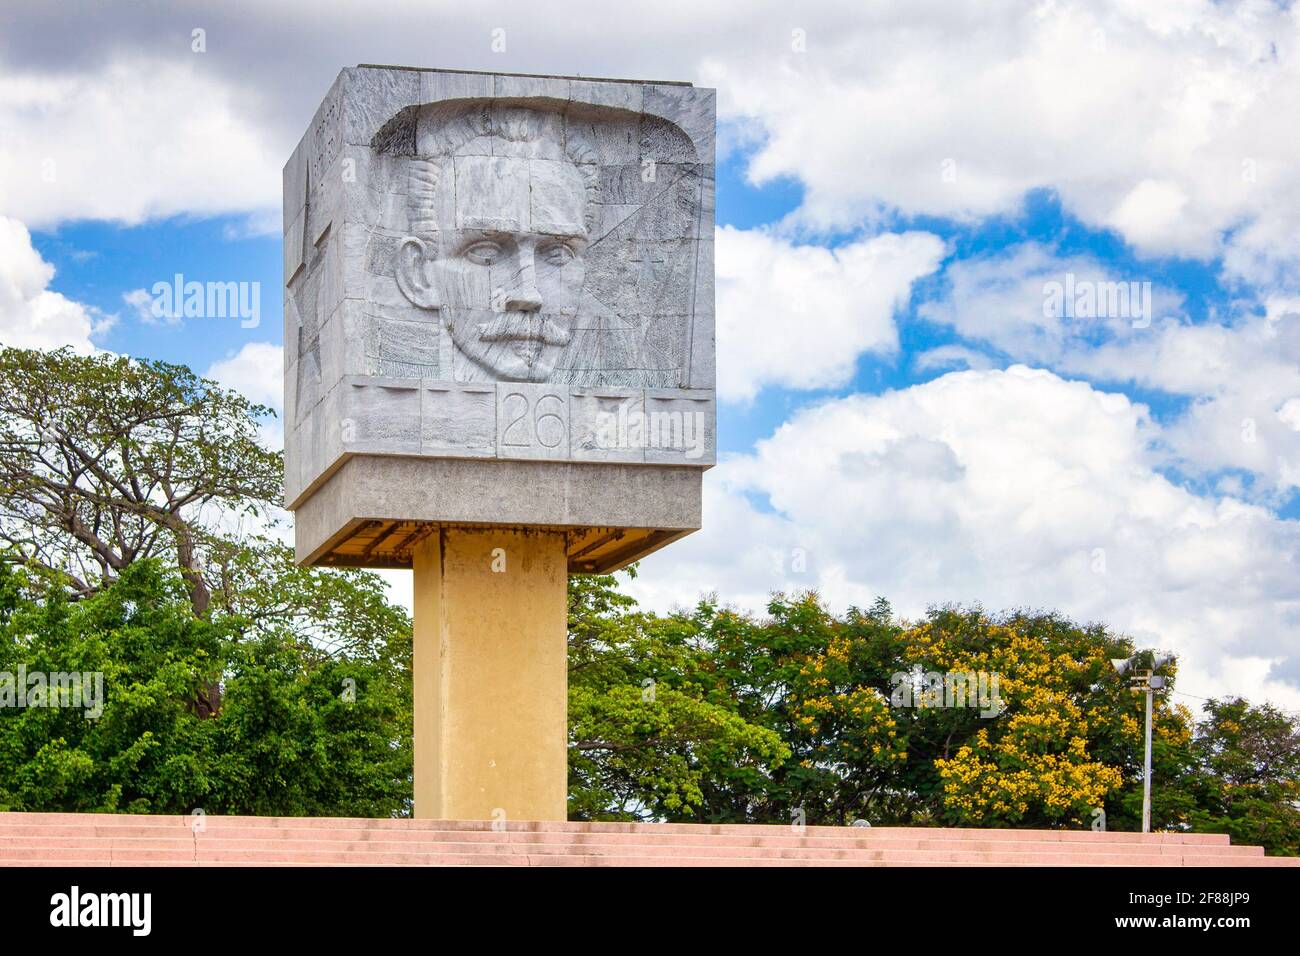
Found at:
[523, 326]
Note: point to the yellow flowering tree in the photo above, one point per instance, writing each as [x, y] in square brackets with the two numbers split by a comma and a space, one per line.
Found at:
[961, 718]
[1067, 736]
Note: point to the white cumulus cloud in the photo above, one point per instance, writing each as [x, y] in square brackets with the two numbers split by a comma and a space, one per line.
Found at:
[1015, 301]
[799, 316]
[1160, 120]
[134, 139]
[1014, 488]
[256, 371]
[31, 315]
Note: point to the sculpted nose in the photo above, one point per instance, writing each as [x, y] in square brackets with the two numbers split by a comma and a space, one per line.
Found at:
[523, 296]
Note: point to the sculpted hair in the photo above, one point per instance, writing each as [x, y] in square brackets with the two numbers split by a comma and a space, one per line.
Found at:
[444, 129]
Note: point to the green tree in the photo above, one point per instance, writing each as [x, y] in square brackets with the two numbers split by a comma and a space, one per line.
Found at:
[106, 460]
[1068, 744]
[127, 493]
[1245, 775]
[646, 736]
[121, 481]
[302, 731]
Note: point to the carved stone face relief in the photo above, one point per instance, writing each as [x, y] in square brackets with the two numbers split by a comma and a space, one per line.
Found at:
[542, 263]
[500, 267]
[499, 254]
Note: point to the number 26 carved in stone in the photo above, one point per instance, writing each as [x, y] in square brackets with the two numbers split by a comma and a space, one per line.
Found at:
[539, 421]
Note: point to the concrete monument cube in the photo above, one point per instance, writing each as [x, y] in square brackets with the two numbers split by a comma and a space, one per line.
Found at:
[498, 312]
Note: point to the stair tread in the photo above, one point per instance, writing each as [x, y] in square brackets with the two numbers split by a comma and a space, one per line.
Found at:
[52, 839]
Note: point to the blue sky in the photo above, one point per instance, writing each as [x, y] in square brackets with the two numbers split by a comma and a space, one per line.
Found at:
[894, 199]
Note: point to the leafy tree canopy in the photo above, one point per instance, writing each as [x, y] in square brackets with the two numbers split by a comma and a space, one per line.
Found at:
[137, 541]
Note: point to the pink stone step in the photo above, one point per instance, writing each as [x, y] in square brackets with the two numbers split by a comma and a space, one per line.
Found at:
[812, 832]
[432, 854]
[644, 843]
[651, 833]
[126, 840]
[721, 854]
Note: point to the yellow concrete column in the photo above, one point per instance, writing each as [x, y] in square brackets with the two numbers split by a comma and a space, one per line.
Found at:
[491, 675]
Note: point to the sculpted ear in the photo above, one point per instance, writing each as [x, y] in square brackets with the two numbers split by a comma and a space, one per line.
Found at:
[415, 275]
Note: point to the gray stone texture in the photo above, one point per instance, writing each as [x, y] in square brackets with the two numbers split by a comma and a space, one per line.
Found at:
[495, 269]
[475, 492]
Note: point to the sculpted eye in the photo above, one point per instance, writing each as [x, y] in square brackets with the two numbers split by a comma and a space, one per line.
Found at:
[484, 252]
[558, 254]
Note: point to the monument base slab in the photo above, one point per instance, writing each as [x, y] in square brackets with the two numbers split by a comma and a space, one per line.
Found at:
[372, 510]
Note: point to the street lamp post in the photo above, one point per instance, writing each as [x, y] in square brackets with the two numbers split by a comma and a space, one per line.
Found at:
[1148, 682]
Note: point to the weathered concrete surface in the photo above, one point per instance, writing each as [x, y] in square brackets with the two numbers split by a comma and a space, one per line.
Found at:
[499, 348]
[508, 494]
[501, 420]
[490, 676]
[500, 267]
